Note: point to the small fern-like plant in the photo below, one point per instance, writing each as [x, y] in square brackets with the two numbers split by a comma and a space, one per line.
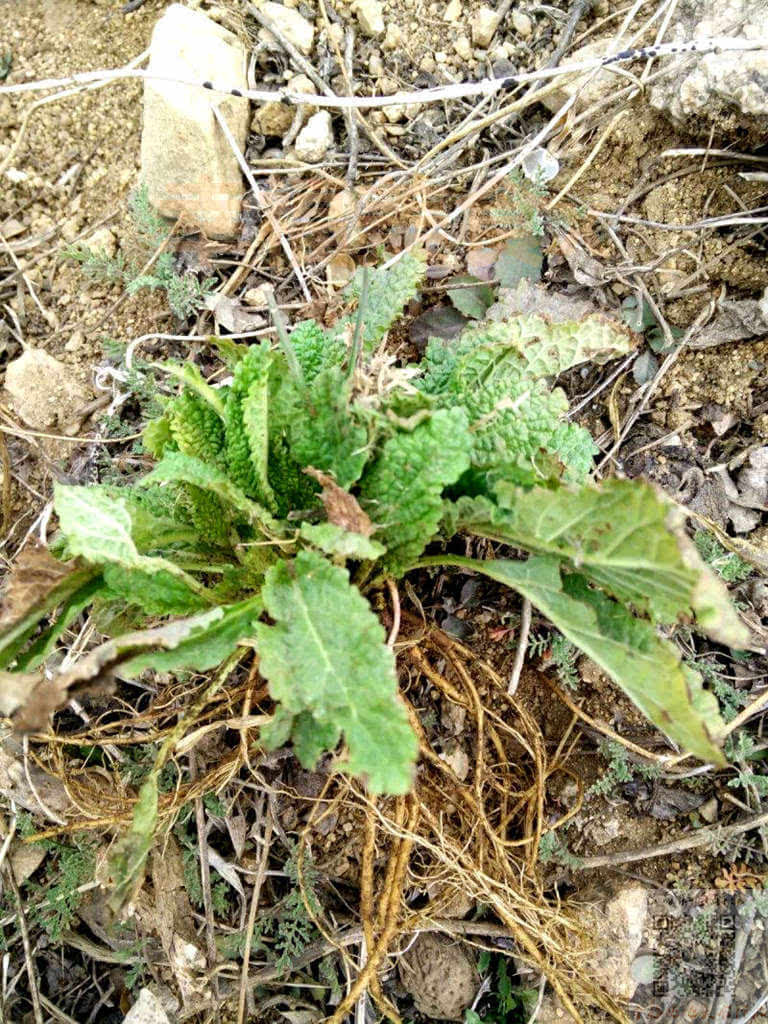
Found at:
[280, 501]
[186, 293]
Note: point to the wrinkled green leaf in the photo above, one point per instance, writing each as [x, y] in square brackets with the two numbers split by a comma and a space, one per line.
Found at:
[388, 292]
[325, 432]
[178, 468]
[325, 654]
[402, 490]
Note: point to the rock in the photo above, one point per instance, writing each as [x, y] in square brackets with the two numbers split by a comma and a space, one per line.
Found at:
[484, 25]
[188, 166]
[273, 118]
[724, 93]
[440, 975]
[447, 900]
[615, 926]
[340, 270]
[341, 212]
[315, 138]
[590, 91]
[370, 17]
[43, 391]
[146, 1010]
[452, 12]
[709, 810]
[258, 297]
[294, 26]
[463, 47]
[522, 24]
[393, 38]
[103, 240]
[75, 342]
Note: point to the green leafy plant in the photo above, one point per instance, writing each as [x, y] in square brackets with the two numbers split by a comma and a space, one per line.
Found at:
[620, 769]
[185, 292]
[507, 1002]
[281, 500]
[726, 564]
[52, 905]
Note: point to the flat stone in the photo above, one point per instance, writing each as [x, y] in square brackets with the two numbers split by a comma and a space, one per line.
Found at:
[615, 926]
[146, 1010]
[187, 164]
[43, 391]
[294, 26]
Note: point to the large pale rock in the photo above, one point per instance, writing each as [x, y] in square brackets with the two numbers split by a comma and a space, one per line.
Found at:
[43, 391]
[615, 926]
[724, 92]
[146, 1010]
[315, 138]
[294, 26]
[186, 162]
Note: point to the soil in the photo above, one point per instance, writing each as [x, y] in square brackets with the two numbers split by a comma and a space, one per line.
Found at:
[69, 181]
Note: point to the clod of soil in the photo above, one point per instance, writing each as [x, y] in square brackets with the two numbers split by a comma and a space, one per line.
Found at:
[440, 975]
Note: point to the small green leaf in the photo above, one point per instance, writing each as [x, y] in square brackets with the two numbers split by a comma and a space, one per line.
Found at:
[474, 301]
[388, 292]
[190, 376]
[325, 655]
[335, 540]
[520, 258]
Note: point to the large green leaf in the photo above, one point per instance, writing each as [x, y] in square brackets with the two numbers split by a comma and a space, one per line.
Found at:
[646, 667]
[325, 654]
[402, 490]
[624, 535]
[98, 527]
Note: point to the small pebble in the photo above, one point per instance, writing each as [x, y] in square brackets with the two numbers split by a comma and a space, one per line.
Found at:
[522, 24]
[463, 47]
